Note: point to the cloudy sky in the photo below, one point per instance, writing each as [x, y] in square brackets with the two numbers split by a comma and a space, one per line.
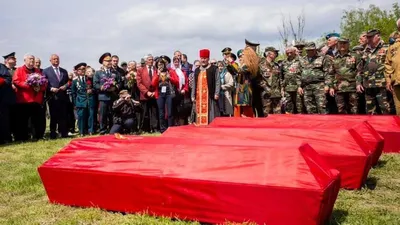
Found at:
[81, 30]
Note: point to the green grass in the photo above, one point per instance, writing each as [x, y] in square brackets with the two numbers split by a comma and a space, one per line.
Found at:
[24, 201]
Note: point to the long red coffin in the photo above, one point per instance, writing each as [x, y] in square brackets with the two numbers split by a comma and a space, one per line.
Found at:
[387, 126]
[275, 184]
[361, 127]
[343, 150]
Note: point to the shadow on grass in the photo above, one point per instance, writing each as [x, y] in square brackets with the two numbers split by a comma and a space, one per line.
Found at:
[371, 183]
[381, 163]
[338, 217]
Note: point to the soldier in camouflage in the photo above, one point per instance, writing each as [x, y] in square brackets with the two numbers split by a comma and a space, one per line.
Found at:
[347, 67]
[291, 72]
[315, 80]
[373, 79]
[270, 82]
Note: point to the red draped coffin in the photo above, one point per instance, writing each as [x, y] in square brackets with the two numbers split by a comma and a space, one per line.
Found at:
[310, 122]
[387, 126]
[342, 149]
[284, 183]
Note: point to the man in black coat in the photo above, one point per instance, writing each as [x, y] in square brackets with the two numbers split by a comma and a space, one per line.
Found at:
[6, 99]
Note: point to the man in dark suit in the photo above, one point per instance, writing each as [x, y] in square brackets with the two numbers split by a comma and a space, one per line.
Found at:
[6, 93]
[56, 89]
[107, 92]
[147, 95]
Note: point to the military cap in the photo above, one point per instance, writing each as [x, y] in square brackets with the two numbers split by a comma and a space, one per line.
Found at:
[332, 35]
[165, 59]
[142, 61]
[11, 55]
[345, 40]
[299, 44]
[226, 50]
[233, 56]
[239, 53]
[251, 44]
[310, 46]
[357, 48]
[373, 32]
[105, 56]
[270, 49]
[80, 65]
[124, 64]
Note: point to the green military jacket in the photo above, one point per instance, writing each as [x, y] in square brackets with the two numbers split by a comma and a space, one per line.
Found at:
[347, 69]
[318, 69]
[80, 96]
[291, 73]
[270, 80]
[374, 67]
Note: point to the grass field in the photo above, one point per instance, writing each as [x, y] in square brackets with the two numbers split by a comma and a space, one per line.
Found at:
[24, 201]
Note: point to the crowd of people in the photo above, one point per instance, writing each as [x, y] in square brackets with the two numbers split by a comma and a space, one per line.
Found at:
[160, 92]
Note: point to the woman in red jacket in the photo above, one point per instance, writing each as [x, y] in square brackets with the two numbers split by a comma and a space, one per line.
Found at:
[30, 87]
[182, 102]
[165, 84]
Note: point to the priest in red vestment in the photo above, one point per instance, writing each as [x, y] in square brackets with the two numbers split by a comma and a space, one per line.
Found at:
[205, 92]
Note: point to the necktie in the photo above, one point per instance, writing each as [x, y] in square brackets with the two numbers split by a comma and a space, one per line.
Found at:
[57, 73]
[150, 73]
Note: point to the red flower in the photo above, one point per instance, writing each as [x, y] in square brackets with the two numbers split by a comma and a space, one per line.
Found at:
[69, 83]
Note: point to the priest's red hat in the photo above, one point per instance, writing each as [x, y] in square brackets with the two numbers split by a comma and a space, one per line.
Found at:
[204, 53]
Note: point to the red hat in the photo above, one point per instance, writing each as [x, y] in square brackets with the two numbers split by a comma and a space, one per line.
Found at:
[204, 53]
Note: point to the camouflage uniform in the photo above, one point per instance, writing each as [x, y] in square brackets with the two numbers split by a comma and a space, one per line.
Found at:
[291, 72]
[373, 79]
[270, 83]
[347, 67]
[315, 76]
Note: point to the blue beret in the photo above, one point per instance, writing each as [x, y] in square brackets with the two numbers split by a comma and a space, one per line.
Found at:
[332, 35]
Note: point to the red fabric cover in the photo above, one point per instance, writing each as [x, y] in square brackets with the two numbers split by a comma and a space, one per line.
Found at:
[342, 149]
[361, 127]
[387, 126]
[274, 184]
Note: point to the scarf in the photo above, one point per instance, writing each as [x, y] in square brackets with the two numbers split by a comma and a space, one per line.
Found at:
[222, 74]
[180, 74]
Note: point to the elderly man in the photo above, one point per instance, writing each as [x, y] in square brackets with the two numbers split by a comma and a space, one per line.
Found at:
[147, 95]
[205, 94]
[270, 83]
[392, 68]
[316, 80]
[373, 81]
[347, 67]
[29, 98]
[291, 73]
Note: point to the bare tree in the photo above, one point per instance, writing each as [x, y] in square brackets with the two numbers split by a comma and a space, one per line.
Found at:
[296, 31]
[284, 31]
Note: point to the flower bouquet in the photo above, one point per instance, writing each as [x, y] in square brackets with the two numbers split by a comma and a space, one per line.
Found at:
[36, 81]
[131, 79]
[89, 86]
[108, 83]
